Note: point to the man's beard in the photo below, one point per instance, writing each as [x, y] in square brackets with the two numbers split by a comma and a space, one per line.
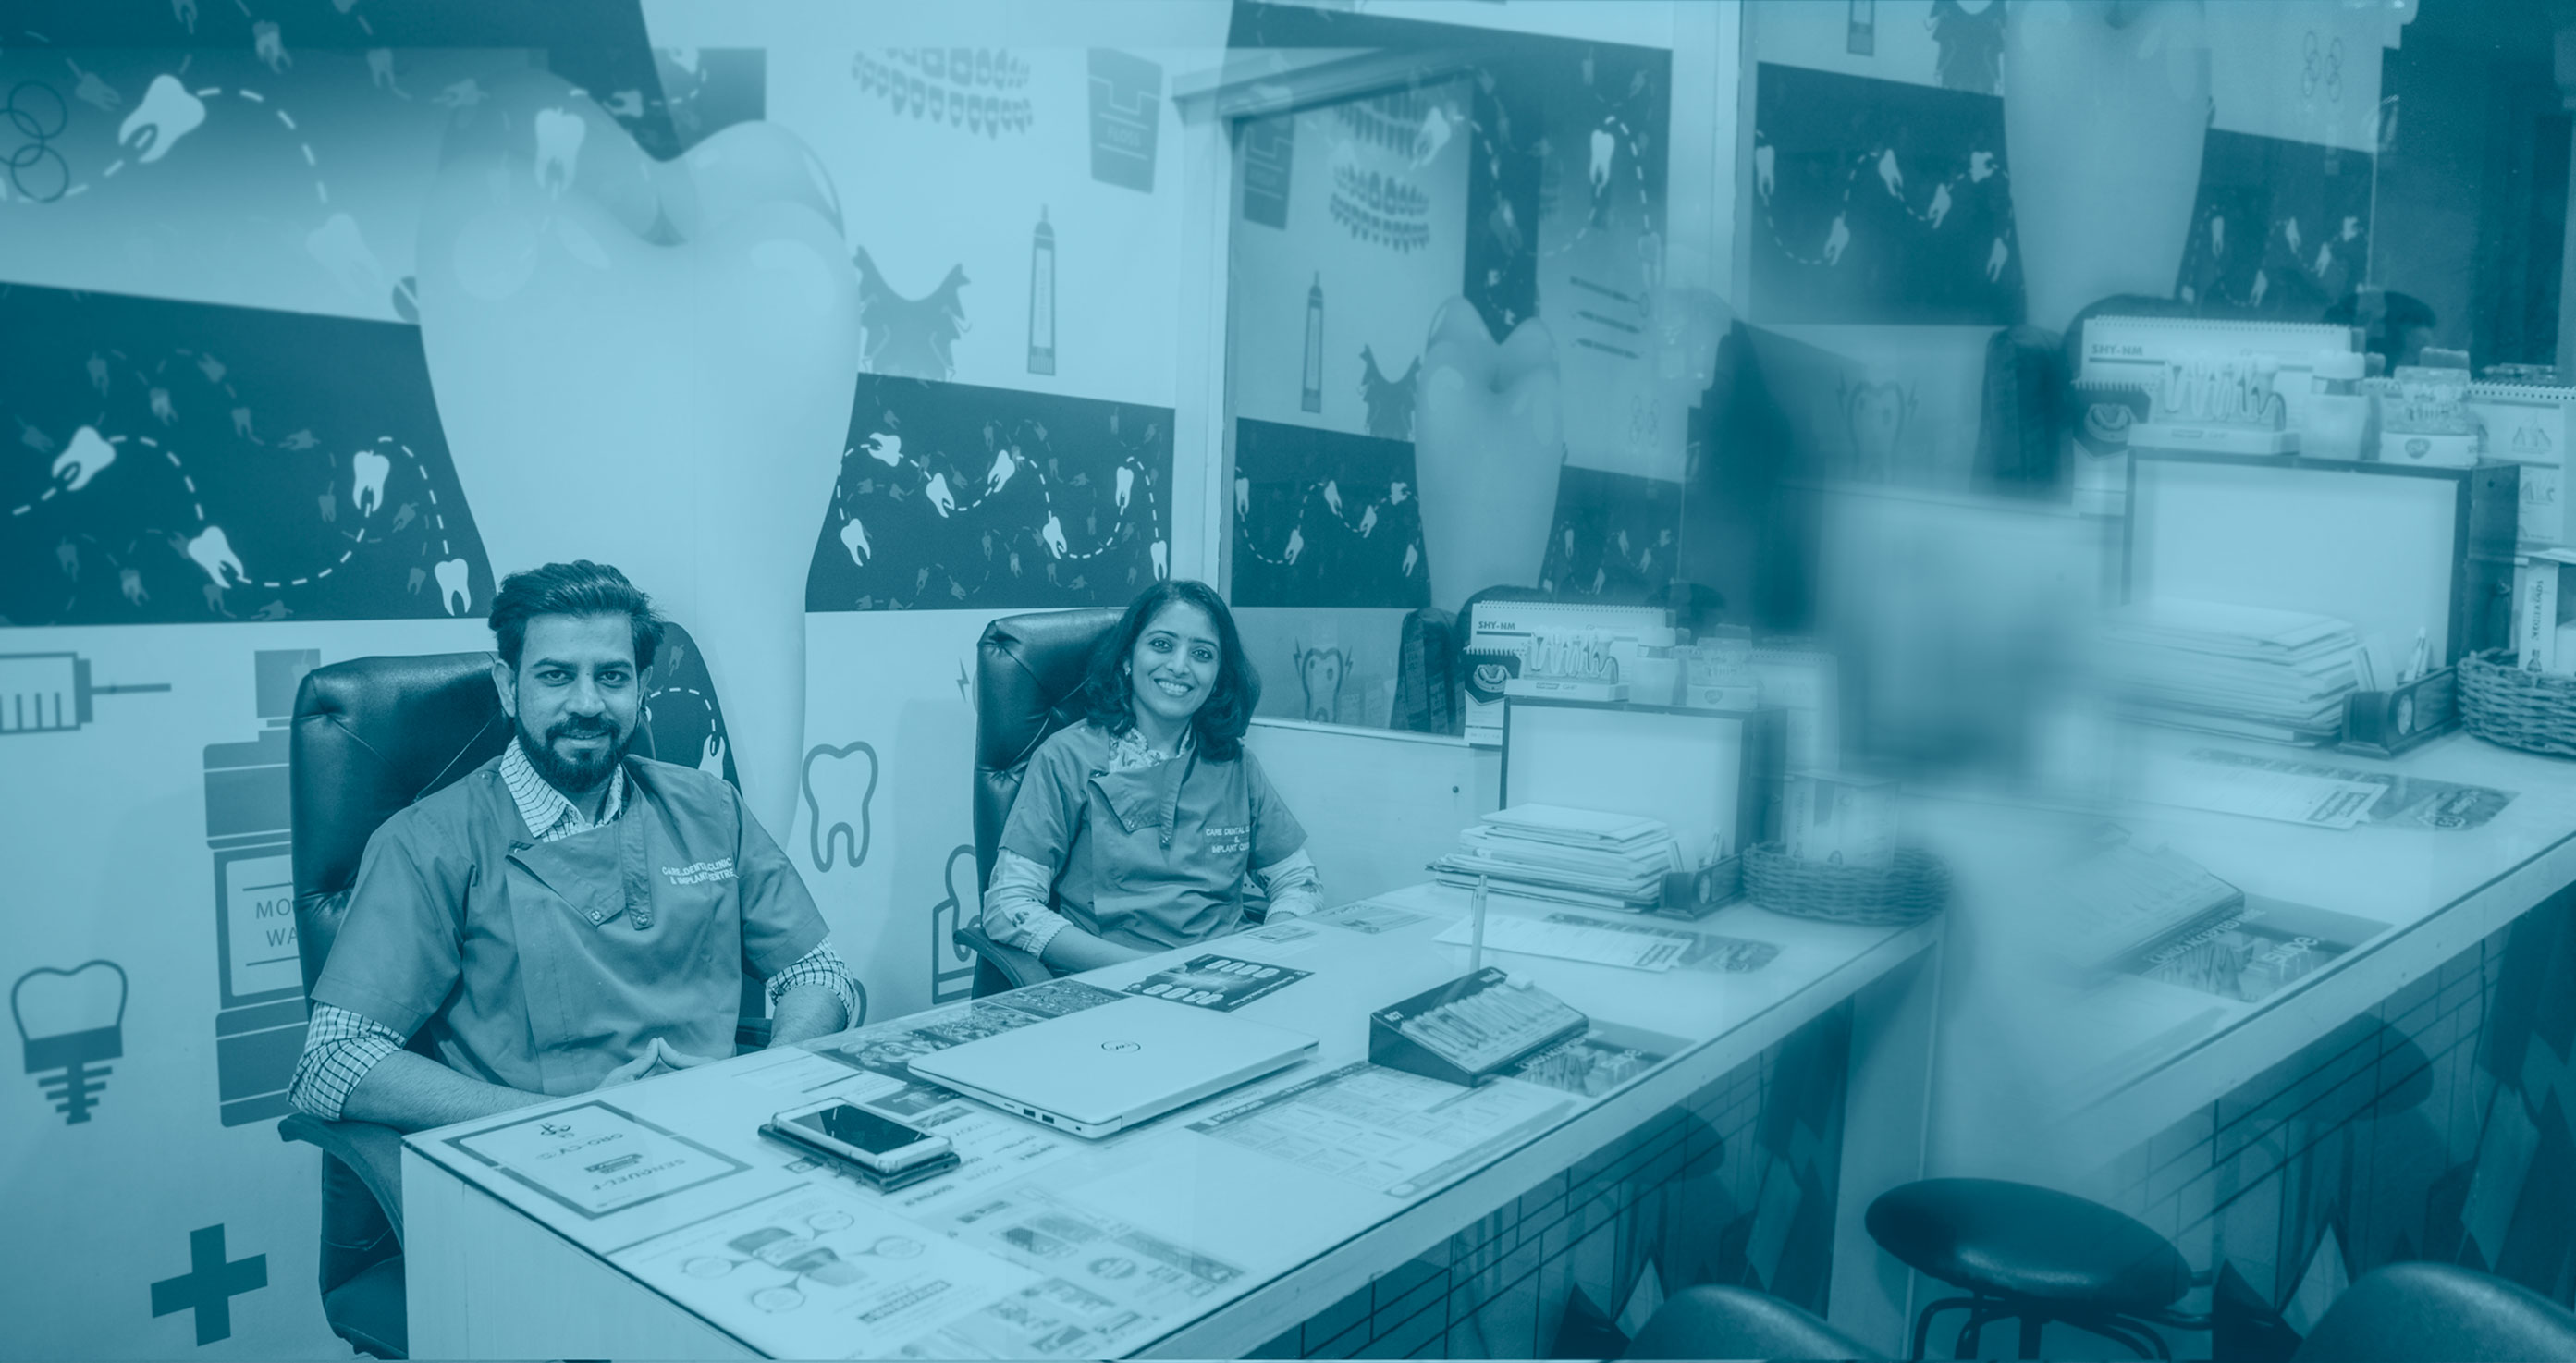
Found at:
[574, 775]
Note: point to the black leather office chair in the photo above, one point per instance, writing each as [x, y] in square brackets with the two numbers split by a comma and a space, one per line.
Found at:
[1736, 1322]
[370, 737]
[2424, 1310]
[2034, 1255]
[1029, 671]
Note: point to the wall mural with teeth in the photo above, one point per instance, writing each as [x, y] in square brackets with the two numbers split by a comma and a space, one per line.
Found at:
[180, 463]
[956, 497]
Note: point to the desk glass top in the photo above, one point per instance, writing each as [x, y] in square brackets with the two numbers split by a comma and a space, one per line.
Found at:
[1043, 1244]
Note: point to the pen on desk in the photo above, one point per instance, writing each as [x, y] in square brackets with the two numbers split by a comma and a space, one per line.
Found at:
[2415, 662]
[2361, 666]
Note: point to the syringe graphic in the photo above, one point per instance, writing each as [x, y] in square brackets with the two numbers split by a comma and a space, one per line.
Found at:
[49, 692]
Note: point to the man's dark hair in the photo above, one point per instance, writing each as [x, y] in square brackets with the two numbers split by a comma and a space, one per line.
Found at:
[1227, 712]
[578, 588]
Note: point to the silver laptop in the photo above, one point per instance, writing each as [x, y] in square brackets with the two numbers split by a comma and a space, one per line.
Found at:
[1105, 1069]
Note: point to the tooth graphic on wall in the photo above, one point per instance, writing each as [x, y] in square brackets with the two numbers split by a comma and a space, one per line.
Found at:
[214, 553]
[838, 784]
[854, 537]
[1053, 534]
[1126, 485]
[718, 349]
[339, 248]
[885, 449]
[452, 589]
[1603, 145]
[168, 112]
[559, 136]
[72, 1022]
[367, 488]
[1489, 441]
[1162, 568]
[82, 459]
[1004, 466]
[939, 496]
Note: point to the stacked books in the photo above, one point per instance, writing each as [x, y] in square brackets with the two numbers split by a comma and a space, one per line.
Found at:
[1566, 856]
[2243, 671]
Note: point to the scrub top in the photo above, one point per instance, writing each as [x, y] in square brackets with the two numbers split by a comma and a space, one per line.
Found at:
[1152, 857]
[544, 965]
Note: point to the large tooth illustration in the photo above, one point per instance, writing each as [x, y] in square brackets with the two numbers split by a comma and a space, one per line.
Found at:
[82, 459]
[1162, 564]
[726, 317]
[168, 112]
[1053, 533]
[1126, 485]
[1004, 466]
[341, 249]
[1489, 442]
[854, 537]
[453, 591]
[885, 449]
[938, 495]
[838, 784]
[367, 488]
[2107, 225]
[214, 553]
[559, 136]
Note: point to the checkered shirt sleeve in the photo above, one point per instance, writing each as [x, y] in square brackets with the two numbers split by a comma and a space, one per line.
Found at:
[339, 1048]
[821, 966]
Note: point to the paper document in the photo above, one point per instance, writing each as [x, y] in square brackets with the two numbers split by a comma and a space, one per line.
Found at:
[1368, 916]
[596, 1159]
[1107, 1285]
[820, 1271]
[1568, 938]
[1384, 1129]
[2290, 797]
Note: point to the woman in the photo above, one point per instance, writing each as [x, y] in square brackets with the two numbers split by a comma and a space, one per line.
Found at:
[1143, 821]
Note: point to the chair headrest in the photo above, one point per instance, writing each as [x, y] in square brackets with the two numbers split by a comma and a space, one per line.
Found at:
[371, 736]
[1028, 670]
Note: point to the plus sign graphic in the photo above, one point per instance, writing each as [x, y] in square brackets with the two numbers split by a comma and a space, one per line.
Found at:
[210, 1284]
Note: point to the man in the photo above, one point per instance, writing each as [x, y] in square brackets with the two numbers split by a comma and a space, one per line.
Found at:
[565, 916]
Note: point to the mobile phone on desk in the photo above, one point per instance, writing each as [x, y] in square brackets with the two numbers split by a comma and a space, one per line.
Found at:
[870, 1140]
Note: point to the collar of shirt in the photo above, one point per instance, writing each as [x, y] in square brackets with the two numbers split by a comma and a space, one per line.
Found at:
[1130, 752]
[548, 814]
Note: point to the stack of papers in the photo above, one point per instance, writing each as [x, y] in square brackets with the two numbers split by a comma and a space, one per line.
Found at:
[2238, 670]
[1566, 856]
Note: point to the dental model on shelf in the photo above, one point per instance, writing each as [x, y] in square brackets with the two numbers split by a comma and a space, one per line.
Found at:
[1572, 665]
[2224, 404]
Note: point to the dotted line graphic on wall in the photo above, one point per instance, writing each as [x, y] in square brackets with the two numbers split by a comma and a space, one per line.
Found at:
[89, 452]
[1326, 494]
[168, 111]
[1137, 501]
[1882, 167]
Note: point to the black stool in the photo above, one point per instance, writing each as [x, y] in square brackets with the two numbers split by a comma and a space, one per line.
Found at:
[1736, 1322]
[2036, 1255]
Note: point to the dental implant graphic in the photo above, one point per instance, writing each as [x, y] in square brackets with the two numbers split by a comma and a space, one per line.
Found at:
[72, 1022]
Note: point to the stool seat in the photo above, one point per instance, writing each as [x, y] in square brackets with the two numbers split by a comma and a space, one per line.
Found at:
[2015, 1240]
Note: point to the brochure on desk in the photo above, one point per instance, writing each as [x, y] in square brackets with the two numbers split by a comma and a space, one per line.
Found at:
[2249, 950]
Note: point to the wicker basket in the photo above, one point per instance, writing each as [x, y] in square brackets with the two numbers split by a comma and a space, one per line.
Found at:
[2501, 703]
[1913, 887]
